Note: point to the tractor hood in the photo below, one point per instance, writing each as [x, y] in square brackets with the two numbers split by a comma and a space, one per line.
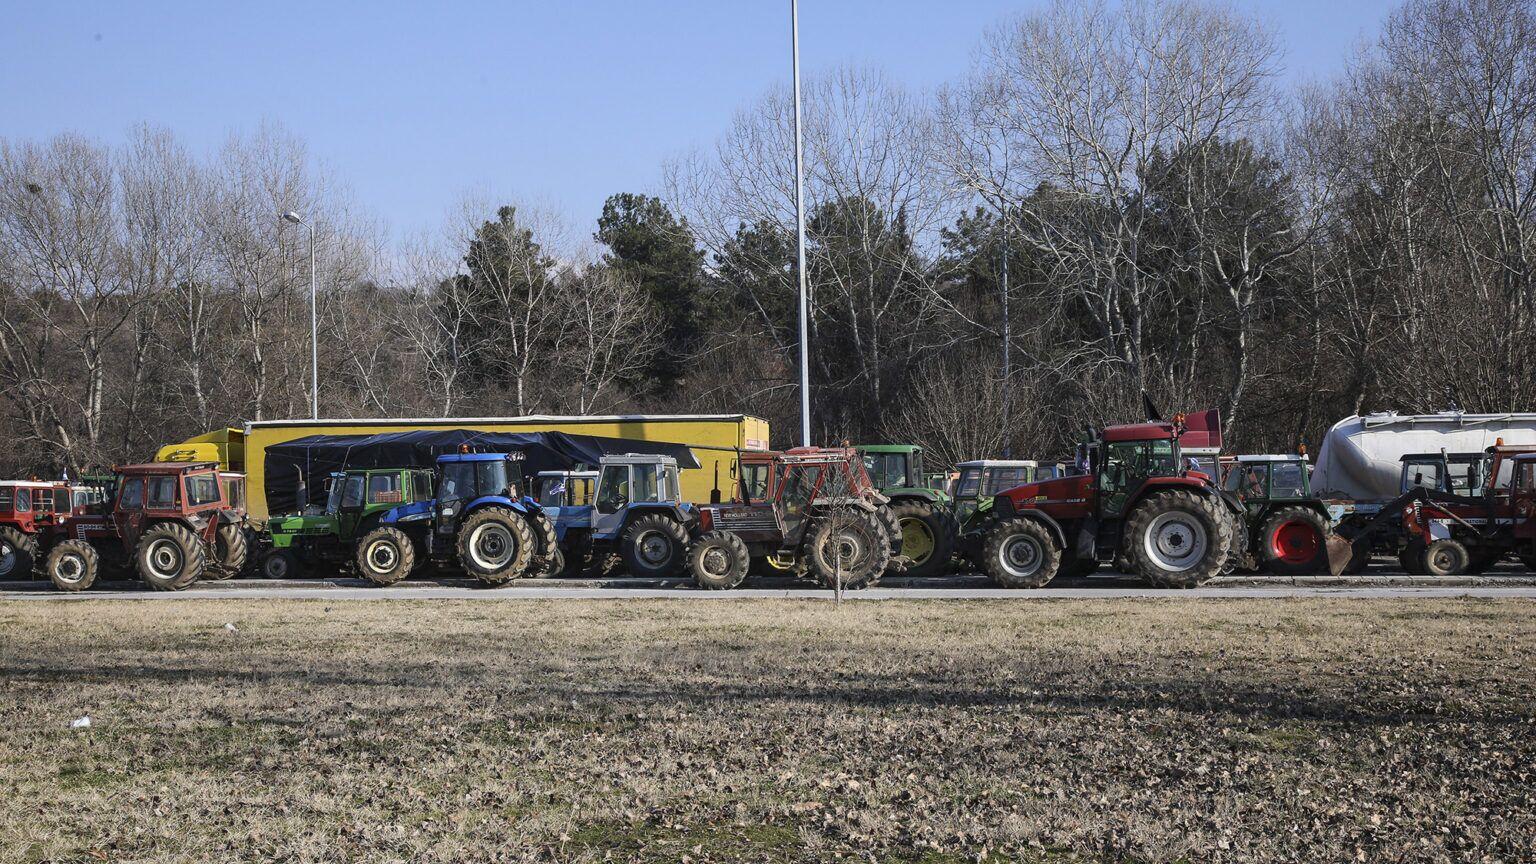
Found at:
[1055, 489]
[302, 525]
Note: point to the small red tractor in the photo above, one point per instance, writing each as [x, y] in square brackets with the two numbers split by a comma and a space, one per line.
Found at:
[172, 522]
[28, 508]
[1140, 504]
[811, 507]
[1449, 535]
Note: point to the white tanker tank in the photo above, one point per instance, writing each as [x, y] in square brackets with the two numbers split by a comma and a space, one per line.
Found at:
[1361, 457]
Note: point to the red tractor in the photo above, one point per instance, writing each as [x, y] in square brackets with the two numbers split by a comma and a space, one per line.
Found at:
[1450, 534]
[28, 508]
[812, 506]
[1140, 504]
[172, 522]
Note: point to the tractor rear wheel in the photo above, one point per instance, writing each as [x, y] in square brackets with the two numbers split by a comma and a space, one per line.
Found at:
[1239, 555]
[1294, 542]
[928, 536]
[1411, 558]
[848, 546]
[496, 545]
[279, 564]
[72, 565]
[1020, 553]
[229, 551]
[170, 557]
[1177, 539]
[385, 555]
[1445, 558]
[654, 546]
[718, 561]
[18, 554]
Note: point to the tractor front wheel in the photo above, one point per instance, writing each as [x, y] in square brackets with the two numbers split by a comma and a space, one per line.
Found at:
[718, 561]
[279, 564]
[1445, 558]
[654, 546]
[72, 565]
[229, 551]
[18, 554]
[928, 536]
[1295, 542]
[1020, 553]
[496, 545]
[170, 557]
[1177, 539]
[848, 547]
[1411, 558]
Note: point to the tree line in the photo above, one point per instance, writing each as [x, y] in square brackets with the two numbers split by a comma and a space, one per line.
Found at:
[1167, 216]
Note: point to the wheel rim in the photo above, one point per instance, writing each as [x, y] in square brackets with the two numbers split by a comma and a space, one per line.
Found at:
[715, 562]
[655, 547]
[1295, 542]
[492, 546]
[1175, 541]
[164, 559]
[383, 557]
[276, 567]
[1443, 560]
[916, 540]
[1020, 556]
[70, 569]
[7, 559]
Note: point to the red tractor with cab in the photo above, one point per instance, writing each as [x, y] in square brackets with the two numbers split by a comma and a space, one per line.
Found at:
[1140, 504]
[28, 509]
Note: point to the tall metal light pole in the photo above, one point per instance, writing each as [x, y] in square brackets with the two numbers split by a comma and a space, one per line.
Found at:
[314, 321]
[1007, 345]
[805, 335]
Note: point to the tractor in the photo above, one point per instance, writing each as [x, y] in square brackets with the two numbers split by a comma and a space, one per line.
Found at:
[1139, 503]
[478, 518]
[631, 509]
[810, 506]
[979, 480]
[928, 530]
[1286, 527]
[27, 509]
[1452, 534]
[356, 502]
[171, 520]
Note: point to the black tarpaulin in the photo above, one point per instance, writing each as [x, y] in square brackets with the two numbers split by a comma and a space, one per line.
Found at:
[309, 460]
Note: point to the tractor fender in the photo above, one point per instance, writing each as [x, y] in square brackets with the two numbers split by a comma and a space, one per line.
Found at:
[413, 512]
[229, 517]
[1003, 509]
[519, 505]
[682, 514]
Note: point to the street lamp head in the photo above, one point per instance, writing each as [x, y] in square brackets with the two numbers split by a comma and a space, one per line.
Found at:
[293, 217]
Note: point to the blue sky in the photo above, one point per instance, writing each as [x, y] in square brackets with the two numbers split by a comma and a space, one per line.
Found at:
[413, 104]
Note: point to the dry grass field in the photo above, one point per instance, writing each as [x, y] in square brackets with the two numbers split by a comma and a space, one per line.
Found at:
[1177, 730]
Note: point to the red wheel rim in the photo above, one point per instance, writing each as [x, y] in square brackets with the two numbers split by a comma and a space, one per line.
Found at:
[1295, 542]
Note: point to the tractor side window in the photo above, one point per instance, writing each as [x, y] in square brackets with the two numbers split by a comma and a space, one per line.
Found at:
[1121, 463]
[423, 485]
[23, 500]
[385, 489]
[1287, 481]
[969, 484]
[799, 485]
[1003, 479]
[674, 490]
[234, 491]
[886, 470]
[581, 491]
[645, 484]
[1251, 482]
[161, 493]
[1527, 482]
[202, 489]
[552, 491]
[132, 495]
[754, 480]
[61, 502]
[352, 491]
[1425, 474]
[1460, 476]
[613, 488]
[7, 497]
[491, 478]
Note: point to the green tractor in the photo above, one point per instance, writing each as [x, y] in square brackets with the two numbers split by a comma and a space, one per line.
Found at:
[928, 530]
[1287, 526]
[357, 499]
[978, 482]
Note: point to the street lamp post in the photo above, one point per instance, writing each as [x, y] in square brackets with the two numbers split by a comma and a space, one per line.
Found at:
[314, 320]
[805, 347]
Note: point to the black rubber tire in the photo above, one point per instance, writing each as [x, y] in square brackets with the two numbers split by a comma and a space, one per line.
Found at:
[546, 546]
[229, 552]
[1271, 555]
[496, 526]
[279, 564]
[1239, 553]
[641, 550]
[252, 563]
[892, 531]
[18, 553]
[162, 546]
[941, 527]
[718, 561]
[1411, 558]
[863, 531]
[1445, 558]
[1020, 553]
[72, 565]
[384, 556]
[1190, 510]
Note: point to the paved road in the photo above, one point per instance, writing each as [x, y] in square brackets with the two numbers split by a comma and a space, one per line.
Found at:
[1106, 587]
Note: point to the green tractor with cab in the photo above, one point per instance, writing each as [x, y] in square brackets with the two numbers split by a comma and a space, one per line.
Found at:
[978, 482]
[928, 530]
[357, 498]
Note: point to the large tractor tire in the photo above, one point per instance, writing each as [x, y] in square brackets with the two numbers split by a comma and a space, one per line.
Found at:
[1177, 539]
[1445, 558]
[229, 552]
[18, 554]
[170, 557]
[654, 546]
[1020, 553]
[279, 564]
[1294, 542]
[1239, 555]
[496, 545]
[1411, 558]
[718, 561]
[928, 535]
[72, 565]
[848, 546]
[547, 546]
[385, 555]
[554, 564]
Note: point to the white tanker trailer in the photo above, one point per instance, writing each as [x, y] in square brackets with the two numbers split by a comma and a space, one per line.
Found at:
[1362, 460]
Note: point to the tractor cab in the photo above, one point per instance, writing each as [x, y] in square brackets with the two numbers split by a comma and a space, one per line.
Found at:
[28, 504]
[629, 480]
[894, 466]
[1461, 474]
[556, 489]
[1257, 480]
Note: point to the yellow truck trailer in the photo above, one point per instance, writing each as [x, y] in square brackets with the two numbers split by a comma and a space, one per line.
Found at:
[714, 439]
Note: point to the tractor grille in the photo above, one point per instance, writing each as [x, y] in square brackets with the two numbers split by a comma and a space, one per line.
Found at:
[744, 519]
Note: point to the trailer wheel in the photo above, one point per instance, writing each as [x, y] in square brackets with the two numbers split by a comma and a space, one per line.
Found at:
[72, 565]
[1411, 558]
[385, 555]
[229, 551]
[18, 554]
[928, 536]
[1177, 539]
[848, 545]
[1445, 558]
[654, 546]
[279, 564]
[496, 545]
[1294, 542]
[718, 561]
[169, 557]
[1020, 553]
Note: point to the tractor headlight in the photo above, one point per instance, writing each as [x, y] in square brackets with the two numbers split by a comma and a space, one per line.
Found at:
[447, 511]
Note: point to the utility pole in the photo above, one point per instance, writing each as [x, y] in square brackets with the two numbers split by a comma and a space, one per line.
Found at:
[314, 320]
[1007, 347]
[805, 335]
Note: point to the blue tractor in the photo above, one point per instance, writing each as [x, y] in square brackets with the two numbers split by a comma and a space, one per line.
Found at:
[479, 518]
[633, 512]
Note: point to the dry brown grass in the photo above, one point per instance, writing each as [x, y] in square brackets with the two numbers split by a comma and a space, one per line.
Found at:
[1306, 730]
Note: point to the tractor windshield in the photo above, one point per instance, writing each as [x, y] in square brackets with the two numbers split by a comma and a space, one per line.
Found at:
[887, 470]
[1003, 479]
[202, 490]
[333, 500]
[463, 481]
[969, 484]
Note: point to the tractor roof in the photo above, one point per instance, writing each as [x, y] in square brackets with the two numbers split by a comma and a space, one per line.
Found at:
[1419, 457]
[566, 474]
[887, 448]
[1138, 432]
[1525, 457]
[640, 459]
[515, 456]
[1271, 457]
[820, 451]
[999, 463]
[29, 484]
[167, 467]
